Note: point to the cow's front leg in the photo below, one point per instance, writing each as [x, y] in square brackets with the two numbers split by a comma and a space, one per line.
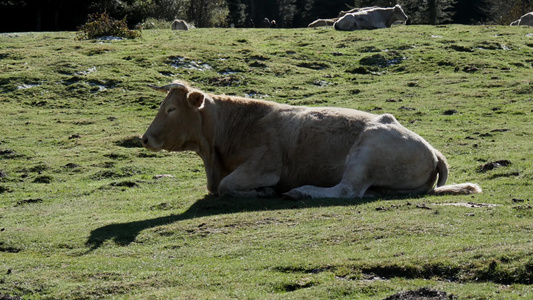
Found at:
[254, 178]
[242, 183]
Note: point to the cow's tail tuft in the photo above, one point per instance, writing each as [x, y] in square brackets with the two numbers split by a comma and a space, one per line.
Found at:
[458, 189]
[452, 189]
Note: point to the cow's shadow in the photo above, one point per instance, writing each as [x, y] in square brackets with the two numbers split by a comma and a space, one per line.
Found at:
[125, 233]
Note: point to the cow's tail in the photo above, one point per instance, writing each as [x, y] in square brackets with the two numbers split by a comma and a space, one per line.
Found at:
[452, 189]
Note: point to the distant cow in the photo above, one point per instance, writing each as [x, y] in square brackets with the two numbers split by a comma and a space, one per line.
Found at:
[266, 23]
[371, 19]
[323, 22]
[353, 10]
[526, 19]
[180, 25]
[255, 148]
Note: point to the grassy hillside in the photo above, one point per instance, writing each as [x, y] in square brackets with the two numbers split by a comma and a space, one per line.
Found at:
[83, 213]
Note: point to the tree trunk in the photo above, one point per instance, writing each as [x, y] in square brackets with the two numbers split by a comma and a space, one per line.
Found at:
[432, 11]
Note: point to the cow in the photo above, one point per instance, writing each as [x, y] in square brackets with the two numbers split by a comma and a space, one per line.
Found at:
[371, 18]
[257, 148]
[266, 23]
[353, 10]
[526, 19]
[322, 22]
[180, 25]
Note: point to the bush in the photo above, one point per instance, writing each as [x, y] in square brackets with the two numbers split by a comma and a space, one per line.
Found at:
[101, 24]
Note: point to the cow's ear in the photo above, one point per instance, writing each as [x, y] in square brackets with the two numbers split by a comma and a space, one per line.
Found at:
[196, 98]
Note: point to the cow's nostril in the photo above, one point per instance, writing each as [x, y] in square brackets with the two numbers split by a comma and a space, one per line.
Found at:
[145, 140]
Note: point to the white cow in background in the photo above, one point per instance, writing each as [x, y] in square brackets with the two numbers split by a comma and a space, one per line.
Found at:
[180, 25]
[373, 18]
[526, 19]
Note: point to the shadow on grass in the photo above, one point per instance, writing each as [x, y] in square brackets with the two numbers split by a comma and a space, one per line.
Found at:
[125, 233]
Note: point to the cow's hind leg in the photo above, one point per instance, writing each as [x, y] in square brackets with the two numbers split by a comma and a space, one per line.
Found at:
[354, 182]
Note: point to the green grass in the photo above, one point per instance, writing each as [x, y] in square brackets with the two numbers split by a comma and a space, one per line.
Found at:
[82, 216]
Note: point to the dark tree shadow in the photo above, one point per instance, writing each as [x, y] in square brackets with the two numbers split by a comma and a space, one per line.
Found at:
[125, 233]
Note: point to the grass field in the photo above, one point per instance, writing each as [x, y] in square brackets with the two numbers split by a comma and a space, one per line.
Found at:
[84, 215]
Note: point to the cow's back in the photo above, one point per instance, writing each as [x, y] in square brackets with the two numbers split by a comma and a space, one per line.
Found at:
[527, 19]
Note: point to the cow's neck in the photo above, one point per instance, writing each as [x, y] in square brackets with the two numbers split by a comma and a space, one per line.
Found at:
[226, 124]
[389, 16]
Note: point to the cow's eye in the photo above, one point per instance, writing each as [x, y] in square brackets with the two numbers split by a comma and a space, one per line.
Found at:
[170, 109]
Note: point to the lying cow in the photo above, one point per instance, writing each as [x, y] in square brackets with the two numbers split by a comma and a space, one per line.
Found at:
[353, 10]
[180, 25]
[322, 22]
[254, 148]
[371, 18]
[526, 19]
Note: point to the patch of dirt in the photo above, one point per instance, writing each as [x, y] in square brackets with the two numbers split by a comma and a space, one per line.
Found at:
[359, 70]
[28, 201]
[523, 207]
[460, 48]
[493, 165]
[8, 249]
[161, 206]
[422, 294]
[450, 112]
[116, 156]
[129, 184]
[43, 179]
[470, 69]
[4, 190]
[8, 153]
[381, 61]
[71, 166]
[313, 65]
[257, 64]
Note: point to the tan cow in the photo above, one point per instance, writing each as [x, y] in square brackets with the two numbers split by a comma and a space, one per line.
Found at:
[255, 148]
[322, 22]
[374, 18]
[526, 19]
[180, 25]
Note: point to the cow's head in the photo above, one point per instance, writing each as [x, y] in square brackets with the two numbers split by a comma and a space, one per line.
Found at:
[177, 125]
[399, 14]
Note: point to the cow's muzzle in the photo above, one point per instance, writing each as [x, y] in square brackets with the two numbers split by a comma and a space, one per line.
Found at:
[147, 143]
